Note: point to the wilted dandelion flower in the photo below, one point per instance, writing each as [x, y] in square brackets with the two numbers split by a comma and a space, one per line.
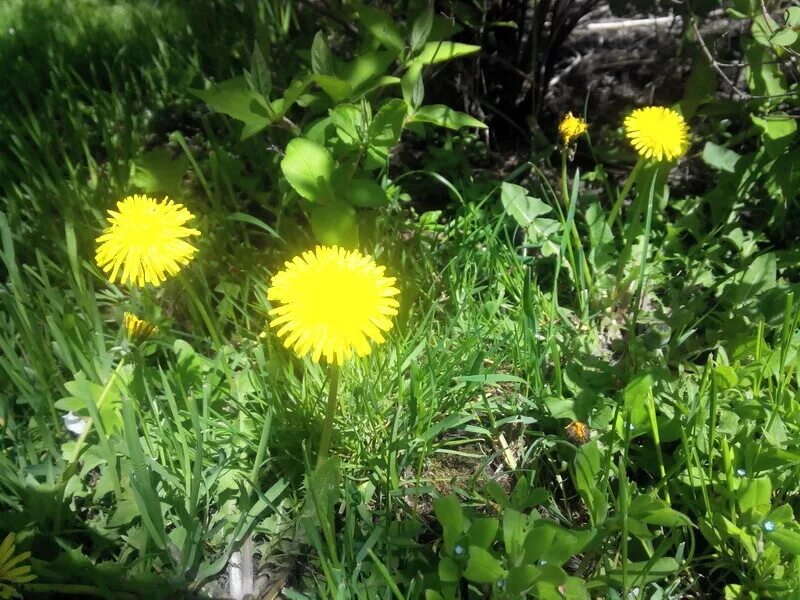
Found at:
[333, 302]
[11, 572]
[571, 128]
[136, 329]
[657, 132]
[145, 241]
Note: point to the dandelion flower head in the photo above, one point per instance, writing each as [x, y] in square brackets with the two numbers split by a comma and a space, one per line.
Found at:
[146, 241]
[571, 128]
[11, 571]
[136, 329]
[332, 302]
[657, 132]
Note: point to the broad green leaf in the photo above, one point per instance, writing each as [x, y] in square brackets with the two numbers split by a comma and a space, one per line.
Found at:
[636, 396]
[449, 571]
[482, 567]
[778, 131]
[521, 579]
[436, 52]
[786, 539]
[588, 460]
[519, 205]
[421, 29]
[364, 193]
[235, 99]
[654, 511]
[335, 223]
[365, 67]
[412, 86]
[448, 511]
[720, 158]
[349, 122]
[444, 116]
[548, 543]
[387, 124]
[755, 496]
[382, 27]
[514, 529]
[156, 171]
[482, 532]
[321, 59]
[308, 168]
[647, 571]
[763, 75]
[259, 72]
[337, 89]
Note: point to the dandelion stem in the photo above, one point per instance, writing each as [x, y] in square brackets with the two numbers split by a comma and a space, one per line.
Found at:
[330, 412]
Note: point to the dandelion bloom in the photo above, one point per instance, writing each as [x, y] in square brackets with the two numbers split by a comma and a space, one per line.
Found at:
[137, 329]
[332, 302]
[145, 241]
[11, 572]
[571, 128]
[657, 132]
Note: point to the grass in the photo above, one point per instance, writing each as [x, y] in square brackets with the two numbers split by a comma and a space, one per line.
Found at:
[673, 338]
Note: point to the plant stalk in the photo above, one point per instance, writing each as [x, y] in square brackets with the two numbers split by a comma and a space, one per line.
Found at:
[330, 413]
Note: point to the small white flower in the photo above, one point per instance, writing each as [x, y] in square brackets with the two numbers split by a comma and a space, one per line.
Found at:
[74, 423]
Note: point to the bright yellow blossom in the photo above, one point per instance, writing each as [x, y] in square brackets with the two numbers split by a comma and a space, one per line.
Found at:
[657, 133]
[137, 329]
[145, 241]
[571, 128]
[332, 303]
[11, 571]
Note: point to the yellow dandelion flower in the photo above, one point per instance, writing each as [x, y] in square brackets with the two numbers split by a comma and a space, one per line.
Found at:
[571, 128]
[145, 241]
[657, 132]
[137, 329]
[333, 301]
[11, 572]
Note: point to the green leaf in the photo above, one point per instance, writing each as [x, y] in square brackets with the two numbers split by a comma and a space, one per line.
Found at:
[421, 29]
[519, 205]
[308, 167]
[156, 171]
[437, 52]
[449, 571]
[762, 73]
[349, 122]
[786, 539]
[235, 99]
[720, 158]
[521, 579]
[337, 89]
[387, 124]
[448, 511]
[482, 567]
[412, 86]
[335, 223]
[646, 571]
[654, 511]
[366, 67]
[793, 16]
[444, 116]
[321, 59]
[755, 496]
[382, 27]
[259, 72]
[514, 526]
[364, 193]
[482, 532]
[778, 131]
[588, 461]
[635, 396]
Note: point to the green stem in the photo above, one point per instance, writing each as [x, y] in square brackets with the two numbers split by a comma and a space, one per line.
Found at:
[330, 412]
[625, 190]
